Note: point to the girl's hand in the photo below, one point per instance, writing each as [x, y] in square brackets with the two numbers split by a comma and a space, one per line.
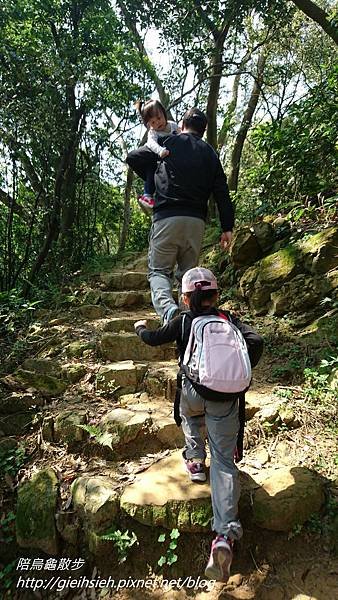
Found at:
[142, 323]
[164, 153]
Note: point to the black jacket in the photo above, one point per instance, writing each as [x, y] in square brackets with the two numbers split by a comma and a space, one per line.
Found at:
[172, 332]
[186, 178]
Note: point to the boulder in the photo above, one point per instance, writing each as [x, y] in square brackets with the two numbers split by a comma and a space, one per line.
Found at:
[92, 311]
[73, 372]
[36, 507]
[265, 235]
[66, 426]
[245, 248]
[96, 502]
[42, 365]
[129, 280]
[300, 293]
[160, 379]
[288, 497]
[48, 385]
[319, 251]
[16, 424]
[76, 349]
[19, 402]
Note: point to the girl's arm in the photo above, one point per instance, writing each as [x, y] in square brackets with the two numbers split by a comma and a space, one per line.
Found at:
[153, 145]
[168, 333]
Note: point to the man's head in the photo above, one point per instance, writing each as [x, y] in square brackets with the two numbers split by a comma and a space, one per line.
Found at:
[194, 121]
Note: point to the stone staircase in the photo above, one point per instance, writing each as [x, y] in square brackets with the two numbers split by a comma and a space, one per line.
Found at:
[131, 402]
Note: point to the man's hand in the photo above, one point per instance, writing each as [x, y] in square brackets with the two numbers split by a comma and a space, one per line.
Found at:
[139, 323]
[226, 238]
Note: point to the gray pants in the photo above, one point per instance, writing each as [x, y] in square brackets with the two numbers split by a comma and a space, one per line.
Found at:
[222, 424]
[174, 242]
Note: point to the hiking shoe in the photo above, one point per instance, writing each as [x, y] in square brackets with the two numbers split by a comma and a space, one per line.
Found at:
[196, 469]
[146, 203]
[220, 560]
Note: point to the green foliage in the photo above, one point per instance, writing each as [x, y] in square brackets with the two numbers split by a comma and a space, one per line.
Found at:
[7, 575]
[123, 541]
[7, 528]
[295, 156]
[139, 227]
[103, 438]
[11, 460]
[170, 556]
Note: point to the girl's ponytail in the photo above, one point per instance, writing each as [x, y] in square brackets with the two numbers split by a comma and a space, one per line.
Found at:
[138, 106]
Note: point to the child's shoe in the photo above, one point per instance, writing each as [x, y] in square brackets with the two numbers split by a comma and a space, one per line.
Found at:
[146, 203]
[220, 560]
[196, 469]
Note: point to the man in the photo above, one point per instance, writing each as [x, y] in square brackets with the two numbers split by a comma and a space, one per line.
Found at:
[184, 181]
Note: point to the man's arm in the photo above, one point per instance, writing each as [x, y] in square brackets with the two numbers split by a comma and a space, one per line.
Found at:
[225, 208]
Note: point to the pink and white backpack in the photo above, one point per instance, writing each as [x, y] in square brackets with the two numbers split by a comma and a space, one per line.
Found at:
[216, 355]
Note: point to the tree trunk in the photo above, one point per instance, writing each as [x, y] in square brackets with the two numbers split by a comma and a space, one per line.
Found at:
[215, 82]
[318, 15]
[126, 210]
[245, 125]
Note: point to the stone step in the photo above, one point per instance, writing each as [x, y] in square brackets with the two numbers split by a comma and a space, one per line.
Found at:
[128, 346]
[273, 498]
[126, 324]
[125, 298]
[160, 379]
[129, 280]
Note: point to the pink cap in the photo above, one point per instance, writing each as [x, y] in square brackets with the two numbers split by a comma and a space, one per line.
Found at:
[198, 279]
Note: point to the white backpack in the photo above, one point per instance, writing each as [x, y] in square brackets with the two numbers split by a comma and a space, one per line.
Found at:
[216, 355]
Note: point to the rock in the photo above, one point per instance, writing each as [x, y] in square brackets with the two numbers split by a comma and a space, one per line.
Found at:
[67, 525]
[126, 424]
[19, 402]
[131, 298]
[269, 413]
[256, 401]
[42, 365]
[301, 293]
[36, 507]
[325, 327]
[76, 349]
[287, 498]
[46, 384]
[265, 235]
[66, 426]
[128, 346]
[287, 416]
[163, 496]
[126, 324]
[73, 372]
[96, 502]
[124, 376]
[16, 424]
[245, 248]
[320, 251]
[91, 311]
[161, 380]
[129, 280]
[333, 379]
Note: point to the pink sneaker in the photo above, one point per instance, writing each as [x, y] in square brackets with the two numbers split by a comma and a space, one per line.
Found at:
[196, 469]
[220, 560]
[146, 203]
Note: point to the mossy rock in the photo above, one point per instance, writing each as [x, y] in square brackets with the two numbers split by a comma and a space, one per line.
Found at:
[47, 385]
[91, 311]
[125, 376]
[96, 503]
[73, 372]
[42, 365]
[245, 248]
[322, 330]
[126, 425]
[128, 346]
[19, 402]
[66, 427]
[76, 349]
[320, 251]
[36, 507]
[16, 424]
[126, 298]
[299, 294]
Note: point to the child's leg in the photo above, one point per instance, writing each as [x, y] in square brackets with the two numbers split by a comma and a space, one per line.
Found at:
[222, 427]
[192, 415]
[149, 184]
[141, 160]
